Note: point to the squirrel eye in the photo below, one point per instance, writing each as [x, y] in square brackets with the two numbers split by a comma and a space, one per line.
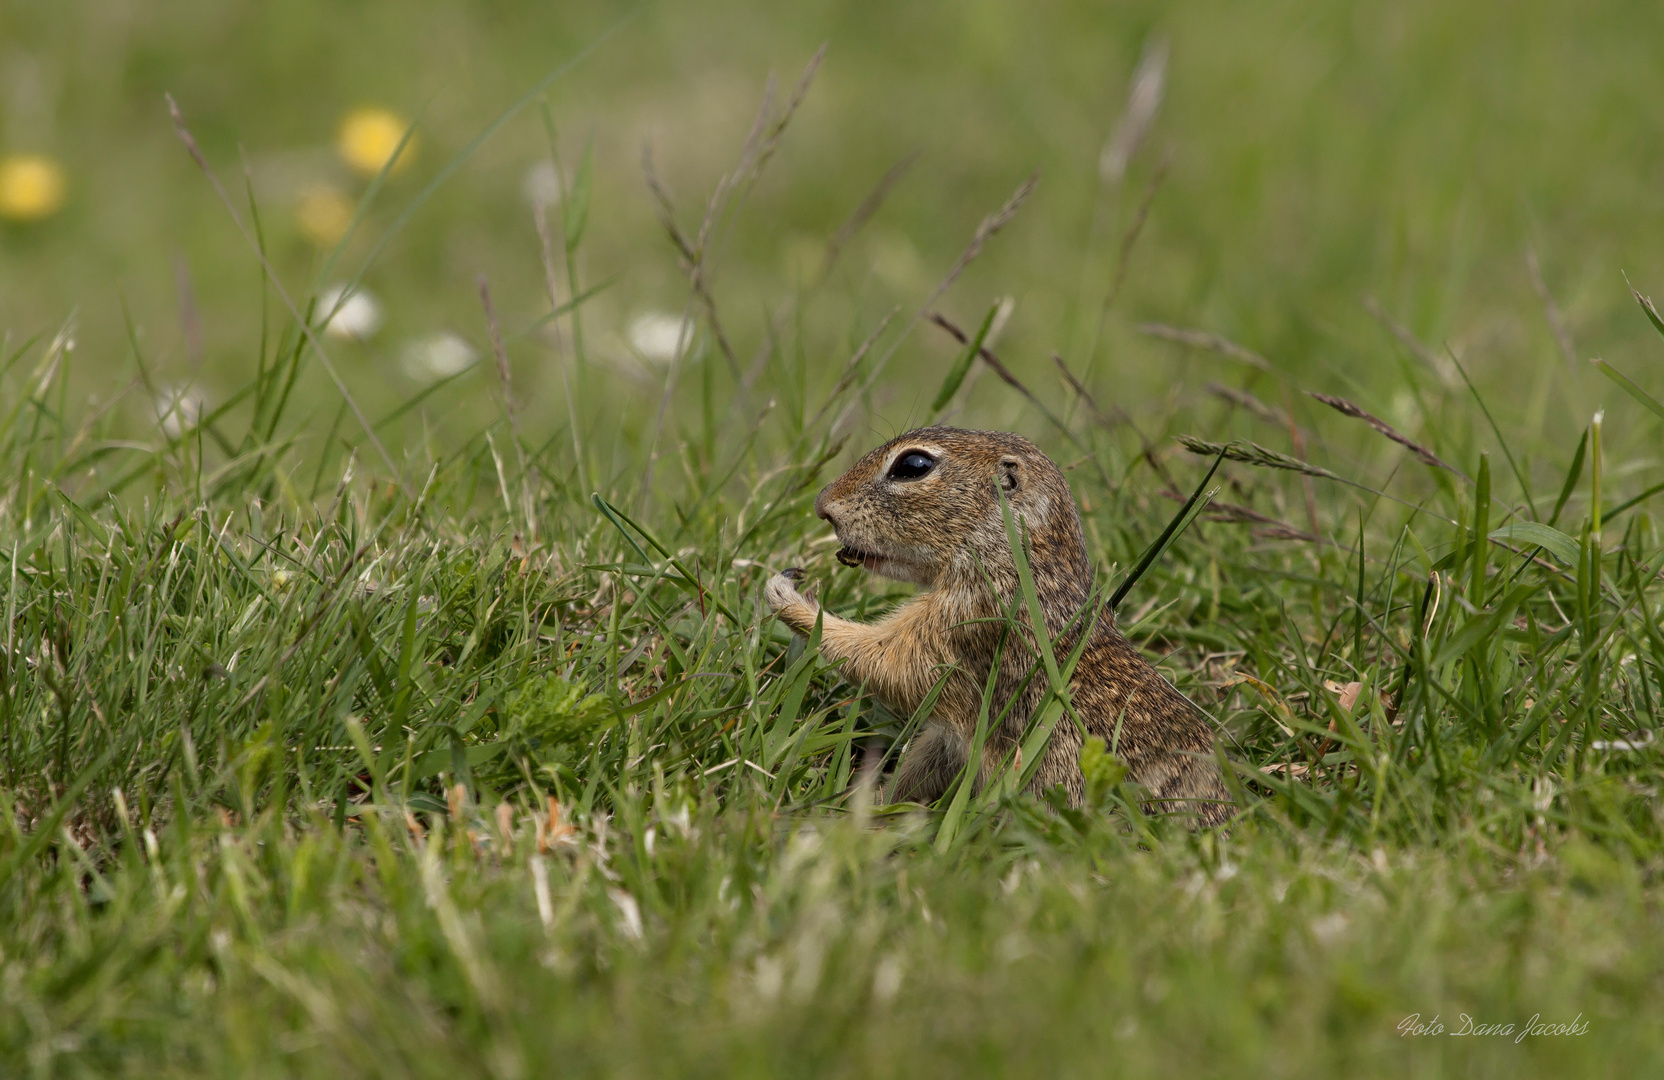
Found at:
[912, 465]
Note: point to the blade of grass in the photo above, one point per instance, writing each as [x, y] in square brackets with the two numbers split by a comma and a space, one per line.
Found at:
[301, 321]
[1179, 521]
[1647, 400]
[956, 373]
[1573, 475]
[1525, 486]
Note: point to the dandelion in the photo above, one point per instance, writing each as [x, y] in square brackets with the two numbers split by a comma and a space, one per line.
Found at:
[31, 187]
[369, 138]
[438, 356]
[357, 317]
[658, 336]
[323, 214]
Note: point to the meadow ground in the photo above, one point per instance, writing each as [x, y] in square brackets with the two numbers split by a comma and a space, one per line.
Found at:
[387, 689]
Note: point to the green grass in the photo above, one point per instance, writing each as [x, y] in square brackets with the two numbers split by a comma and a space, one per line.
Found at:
[486, 759]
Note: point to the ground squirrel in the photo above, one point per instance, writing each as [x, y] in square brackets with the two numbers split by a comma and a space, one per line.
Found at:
[923, 508]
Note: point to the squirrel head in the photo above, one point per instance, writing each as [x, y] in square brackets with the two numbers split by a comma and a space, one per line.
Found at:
[925, 508]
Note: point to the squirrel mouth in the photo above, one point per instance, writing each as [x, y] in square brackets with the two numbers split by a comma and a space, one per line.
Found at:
[855, 557]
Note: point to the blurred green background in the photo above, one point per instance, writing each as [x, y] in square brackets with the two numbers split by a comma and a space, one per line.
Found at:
[1320, 153]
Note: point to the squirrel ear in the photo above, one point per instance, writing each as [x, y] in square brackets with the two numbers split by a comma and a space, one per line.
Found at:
[1010, 469]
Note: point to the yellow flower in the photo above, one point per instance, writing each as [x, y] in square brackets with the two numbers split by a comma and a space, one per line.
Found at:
[370, 135]
[323, 214]
[31, 187]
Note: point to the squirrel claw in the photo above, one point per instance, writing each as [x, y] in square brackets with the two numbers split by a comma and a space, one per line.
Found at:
[781, 590]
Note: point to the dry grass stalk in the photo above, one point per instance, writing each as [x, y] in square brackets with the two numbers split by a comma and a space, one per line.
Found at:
[1201, 339]
[541, 220]
[1438, 364]
[1297, 439]
[1144, 93]
[694, 253]
[306, 328]
[1101, 418]
[1130, 238]
[987, 356]
[691, 252]
[760, 145]
[985, 231]
[989, 225]
[834, 249]
[1147, 447]
[1237, 514]
[504, 375]
[1347, 408]
[190, 321]
[1288, 532]
[864, 212]
[1551, 310]
[551, 280]
[853, 366]
[771, 141]
[1252, 453]
[1242, 399]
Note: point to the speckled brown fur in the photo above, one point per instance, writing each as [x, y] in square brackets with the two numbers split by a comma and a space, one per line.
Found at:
[944, 531]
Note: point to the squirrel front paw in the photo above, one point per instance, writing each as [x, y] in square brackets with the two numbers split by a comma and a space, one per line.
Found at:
[794, 609]
[781, 590]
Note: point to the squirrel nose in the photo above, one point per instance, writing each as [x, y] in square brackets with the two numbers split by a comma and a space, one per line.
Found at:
[822, 502]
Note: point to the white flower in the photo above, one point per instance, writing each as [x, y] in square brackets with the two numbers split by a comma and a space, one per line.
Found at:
[1329, 928]
[886, 978]
[177, 410]
[630, 911]
[358, 317]
[1635, 740]
[768, 975]
[658, 336]
[438, 356]
[542, 184]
